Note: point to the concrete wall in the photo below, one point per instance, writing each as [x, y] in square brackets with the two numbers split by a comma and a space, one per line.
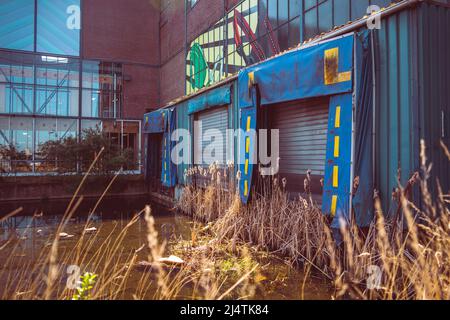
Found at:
[63, 187]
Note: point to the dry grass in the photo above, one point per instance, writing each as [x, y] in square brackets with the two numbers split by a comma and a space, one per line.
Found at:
[411, 251]
[120, 272]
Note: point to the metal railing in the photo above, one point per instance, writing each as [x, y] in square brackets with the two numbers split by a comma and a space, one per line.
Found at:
[51, 167]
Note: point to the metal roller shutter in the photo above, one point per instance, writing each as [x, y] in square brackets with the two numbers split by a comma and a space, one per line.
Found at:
[212, 119]
[303, 138]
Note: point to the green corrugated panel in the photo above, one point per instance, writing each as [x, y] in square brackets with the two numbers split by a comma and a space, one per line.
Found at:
[236, 125]
[434, 70]
[395, 134]
[183, 122]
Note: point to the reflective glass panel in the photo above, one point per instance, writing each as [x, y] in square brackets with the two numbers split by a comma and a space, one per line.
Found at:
[58, 27]
[17, 24]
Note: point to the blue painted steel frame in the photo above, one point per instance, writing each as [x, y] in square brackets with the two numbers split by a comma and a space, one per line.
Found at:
[326, 69]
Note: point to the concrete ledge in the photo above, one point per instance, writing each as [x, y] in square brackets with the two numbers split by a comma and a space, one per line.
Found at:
[63, 187]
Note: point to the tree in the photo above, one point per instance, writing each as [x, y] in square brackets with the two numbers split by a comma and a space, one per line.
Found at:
[15, 159]
[71, 155]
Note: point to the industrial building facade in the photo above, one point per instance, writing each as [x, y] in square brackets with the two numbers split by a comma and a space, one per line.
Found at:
[70, 65]
[351, 116]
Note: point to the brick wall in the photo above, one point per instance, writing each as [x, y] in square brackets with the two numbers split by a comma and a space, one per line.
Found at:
[172, 34]
[126, 32]
[173, 28]
[148, 37]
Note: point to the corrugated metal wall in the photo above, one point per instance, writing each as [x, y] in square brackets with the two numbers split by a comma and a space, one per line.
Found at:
[213, 119]
[434, 78]
[396, 136]
[413, 96]
[303, 136]
[183, 122]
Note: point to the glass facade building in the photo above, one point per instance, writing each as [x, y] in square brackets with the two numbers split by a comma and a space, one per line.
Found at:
[47, 92]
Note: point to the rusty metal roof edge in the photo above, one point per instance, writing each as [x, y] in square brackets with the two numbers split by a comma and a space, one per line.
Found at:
[356, 24]
[338, 31]
[199, 92]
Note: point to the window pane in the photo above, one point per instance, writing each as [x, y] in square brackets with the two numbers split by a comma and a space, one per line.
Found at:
[62, 73]
[16, 98]
[381, 3]
[283, 37]
[103, 89]
[56, 101]
[130, 142]
[310, 24]
[309, 4]
[294, 32]
[294, 8]
[359, 8]
[17, 24]
[283, 11]
[46, 130]
[20, 145]
[90, 103]
[4, 131]
[58, 27]
[325, 16]
[341, 12]
[67, 128]
[272, 13]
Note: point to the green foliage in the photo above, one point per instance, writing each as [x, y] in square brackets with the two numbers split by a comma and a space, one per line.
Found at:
[19, 159]
[87, 284]
[71, 155]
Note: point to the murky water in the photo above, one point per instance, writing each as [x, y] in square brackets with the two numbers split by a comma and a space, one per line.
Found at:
[280, 280]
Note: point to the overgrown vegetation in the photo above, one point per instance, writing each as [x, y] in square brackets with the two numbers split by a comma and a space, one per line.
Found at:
[71, 155]
[409, 253]
[13, 160]
[412, 252]
[200, 276]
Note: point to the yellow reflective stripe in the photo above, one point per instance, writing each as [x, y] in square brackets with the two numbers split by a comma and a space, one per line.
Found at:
[337, 121]
[245, 188]
[333, 205]
[251, 79]
[165, 177]
[331, 68]
[335, 176]
[246, 166]
[336, 146]
[165, 165]
[345, 76]
[247, 145]
[249, 121]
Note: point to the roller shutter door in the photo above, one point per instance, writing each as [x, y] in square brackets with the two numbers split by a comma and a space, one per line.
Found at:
[217, 119]
[303, 138]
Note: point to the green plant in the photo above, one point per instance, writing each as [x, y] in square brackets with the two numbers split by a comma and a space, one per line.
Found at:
[15, 158]
[70, 153]
[86, 285]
